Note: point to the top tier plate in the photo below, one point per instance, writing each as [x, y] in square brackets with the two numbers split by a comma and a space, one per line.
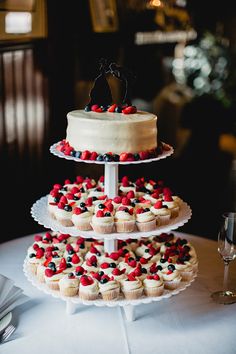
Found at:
[164, 154]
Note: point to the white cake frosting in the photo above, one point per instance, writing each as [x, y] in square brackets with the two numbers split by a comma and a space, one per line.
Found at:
[111, 132]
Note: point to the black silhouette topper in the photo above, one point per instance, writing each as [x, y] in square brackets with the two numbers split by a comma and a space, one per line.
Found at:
[100, 93]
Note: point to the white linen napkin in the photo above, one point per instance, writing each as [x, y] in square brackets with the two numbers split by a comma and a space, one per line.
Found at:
[10, 296]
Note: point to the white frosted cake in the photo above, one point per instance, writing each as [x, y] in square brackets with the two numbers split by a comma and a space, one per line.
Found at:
[111, 132]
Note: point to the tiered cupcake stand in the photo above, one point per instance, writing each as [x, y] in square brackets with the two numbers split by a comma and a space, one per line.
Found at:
[40, 214]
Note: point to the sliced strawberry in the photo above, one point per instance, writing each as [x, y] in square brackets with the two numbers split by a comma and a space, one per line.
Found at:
[49, 272]
[112, 108]
[62, 264]
[123, 156]
[105, 265]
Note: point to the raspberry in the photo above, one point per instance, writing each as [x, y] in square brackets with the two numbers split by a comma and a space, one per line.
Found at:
[89, 201]
[38, 238]
[156, 277]
[139, 211]
[144, 155]
[132, 263]
[116, 271]
[93, 156]
[130, 194]
[85, 155]
[63, 200]
[69, 196]
[126, 201]
[143, 260]
[117, 200]
[94, 107]
[86, 280]
[105, 265]
[39, 253]
[69, 247]
[77, 211]
[158, 205]
[168, 198]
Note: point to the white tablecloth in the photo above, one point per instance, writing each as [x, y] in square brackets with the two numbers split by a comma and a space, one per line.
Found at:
[187, 323]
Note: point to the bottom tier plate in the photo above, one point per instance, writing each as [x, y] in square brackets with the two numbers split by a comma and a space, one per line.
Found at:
[100, 302]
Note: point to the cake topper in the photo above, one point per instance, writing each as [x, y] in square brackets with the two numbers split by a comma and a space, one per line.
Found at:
[101, 96]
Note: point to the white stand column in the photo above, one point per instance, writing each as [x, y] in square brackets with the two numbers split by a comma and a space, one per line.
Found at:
[70, 307]
[129, 313]
[111, 190]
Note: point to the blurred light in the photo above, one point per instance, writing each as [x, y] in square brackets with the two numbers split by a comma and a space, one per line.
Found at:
[178, 63]
[155, 3]
[18, 22]
[199, 83]
[190, 51]
[181, 3]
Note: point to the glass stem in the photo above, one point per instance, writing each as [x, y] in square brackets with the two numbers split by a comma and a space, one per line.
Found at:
[226, 272]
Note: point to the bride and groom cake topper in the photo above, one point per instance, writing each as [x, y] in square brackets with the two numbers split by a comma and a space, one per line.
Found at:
[100, 94]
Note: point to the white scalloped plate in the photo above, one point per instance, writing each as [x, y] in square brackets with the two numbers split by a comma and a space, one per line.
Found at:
[100, 302]
[60, 154]
[40, 213]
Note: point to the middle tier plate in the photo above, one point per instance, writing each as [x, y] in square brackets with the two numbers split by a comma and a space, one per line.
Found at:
[40, 213]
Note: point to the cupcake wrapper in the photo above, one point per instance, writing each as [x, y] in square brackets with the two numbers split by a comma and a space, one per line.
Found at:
[32, 268]
[54, 285]
[172, 284]
[158, 291]
[163, 220]
[125, 226]
[111, 294]
[87, 296]
[83, 226]
[103, 229]
[65, 222]
[40, 277]
[195, 267]
[174, 212]
[186, 275]
[69, 291]
[146, 226]
[133, 294]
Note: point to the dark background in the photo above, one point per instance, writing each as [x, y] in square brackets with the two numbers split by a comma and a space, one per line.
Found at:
[65, 61]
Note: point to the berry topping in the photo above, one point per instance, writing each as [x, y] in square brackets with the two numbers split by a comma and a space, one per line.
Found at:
[130, 194]
[49, 272]
[124, 156]
[37, 238]
[85, 155]
[79, 270]
[75, 259]
[99, 214]
[112, 108]
[39, 253]
[168, 198]
[131, 277]
[86, 280]
[158, 205]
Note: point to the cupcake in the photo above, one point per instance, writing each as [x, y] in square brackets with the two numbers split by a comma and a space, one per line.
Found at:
[126, 186]
[172, 205]
[63, 213]
[34, 259]
[185, 269]
[145, 220]
[119, 275]
[103, 222]
[109, 288]
[162, 213]
[53, 200]
[153, 285]
[69, 285]
[82, 218]
[91, 264]
[88, 288]
[154, 197]
[52, 277]
[171, 277]
[124, 219]
[107, 268]
[132, 287]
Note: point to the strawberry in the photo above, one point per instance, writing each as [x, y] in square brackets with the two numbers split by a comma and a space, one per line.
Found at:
[75, 259]
[93, 156]
[115, 256]
[168, 198]
[123, 156]
[38, 238]
[143, 260]
[77, 211]
[49, 272]
[79, 179]
[99, 110]
[79, 269]
[126, 201]
[85, 155]
[68, 150]
[102, 179]
[131, 211]
[57, 186]
[99, 214]
[94, 107]
[144, 155]
[62, 264]
[117, 200]
[105, 265]
[63, 199]
[89, 185]
[109, 207]
[132, 263]
[156, 277]
[116, 271]
[74, 190]
[93, 249]
[139, 211]
[69, 196]
[150, 277]
[89, 202]
[131, 277]
[69, 247]
[96, 276]
[153, 268]
[85, 280]
[158, 205]
[39, 253]
[54, 193]
[112, 108]
[130, 194]
[35, 246]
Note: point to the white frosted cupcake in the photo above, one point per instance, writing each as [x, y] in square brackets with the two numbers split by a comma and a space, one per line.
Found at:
[69, 285]
[82, 218]
[153, 285]
[185, 269]
[124, 219]
[132, 287]
[171, 277]
[103, 223]
[88, 288]
[119, 275]
[172, 205]
[52, 277]
[109, 288]
[63, 213]
[145, 220]
[163, 214]
[34, 259]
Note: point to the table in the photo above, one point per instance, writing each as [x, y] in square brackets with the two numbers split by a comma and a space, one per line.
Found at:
[187, 323]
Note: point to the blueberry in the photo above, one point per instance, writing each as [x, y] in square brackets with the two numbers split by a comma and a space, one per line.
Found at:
[78, 273]
[107, 157]
[159, 267]
[186, 248]
[136, 157]
[146, 250]
[84, 209]
[69, 259]
[64, 188]
[101, 206]
[51, 265]
[116, 158]
[130, 259]
[94, 198]
[167, 244]
[171, 267]
[32, 255]
[71, 252]
[144, 270]
[146, 209]
[99, 158]
[72, 153]
[82, 246]
[163, 260]
[56, 200]
[118, 109]
[78, 154]
[138, 258]
[94, 264]
[107, 213]
[183, 242]
[103, 281]
[55, 256]
[70, 274]
[67, 207]
[101, 273]
[133, 205]
[82, 205]
[82, 190]
[136, 200]
[104, 108]
[68, 265]
[87, 108]
[148, 191]
[112, 265]
[155, 186]
[55, 248]
[75, 197]
[98, 254]
[125, 251]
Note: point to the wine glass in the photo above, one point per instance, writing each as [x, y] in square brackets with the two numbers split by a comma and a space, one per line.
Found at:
[227, 250]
